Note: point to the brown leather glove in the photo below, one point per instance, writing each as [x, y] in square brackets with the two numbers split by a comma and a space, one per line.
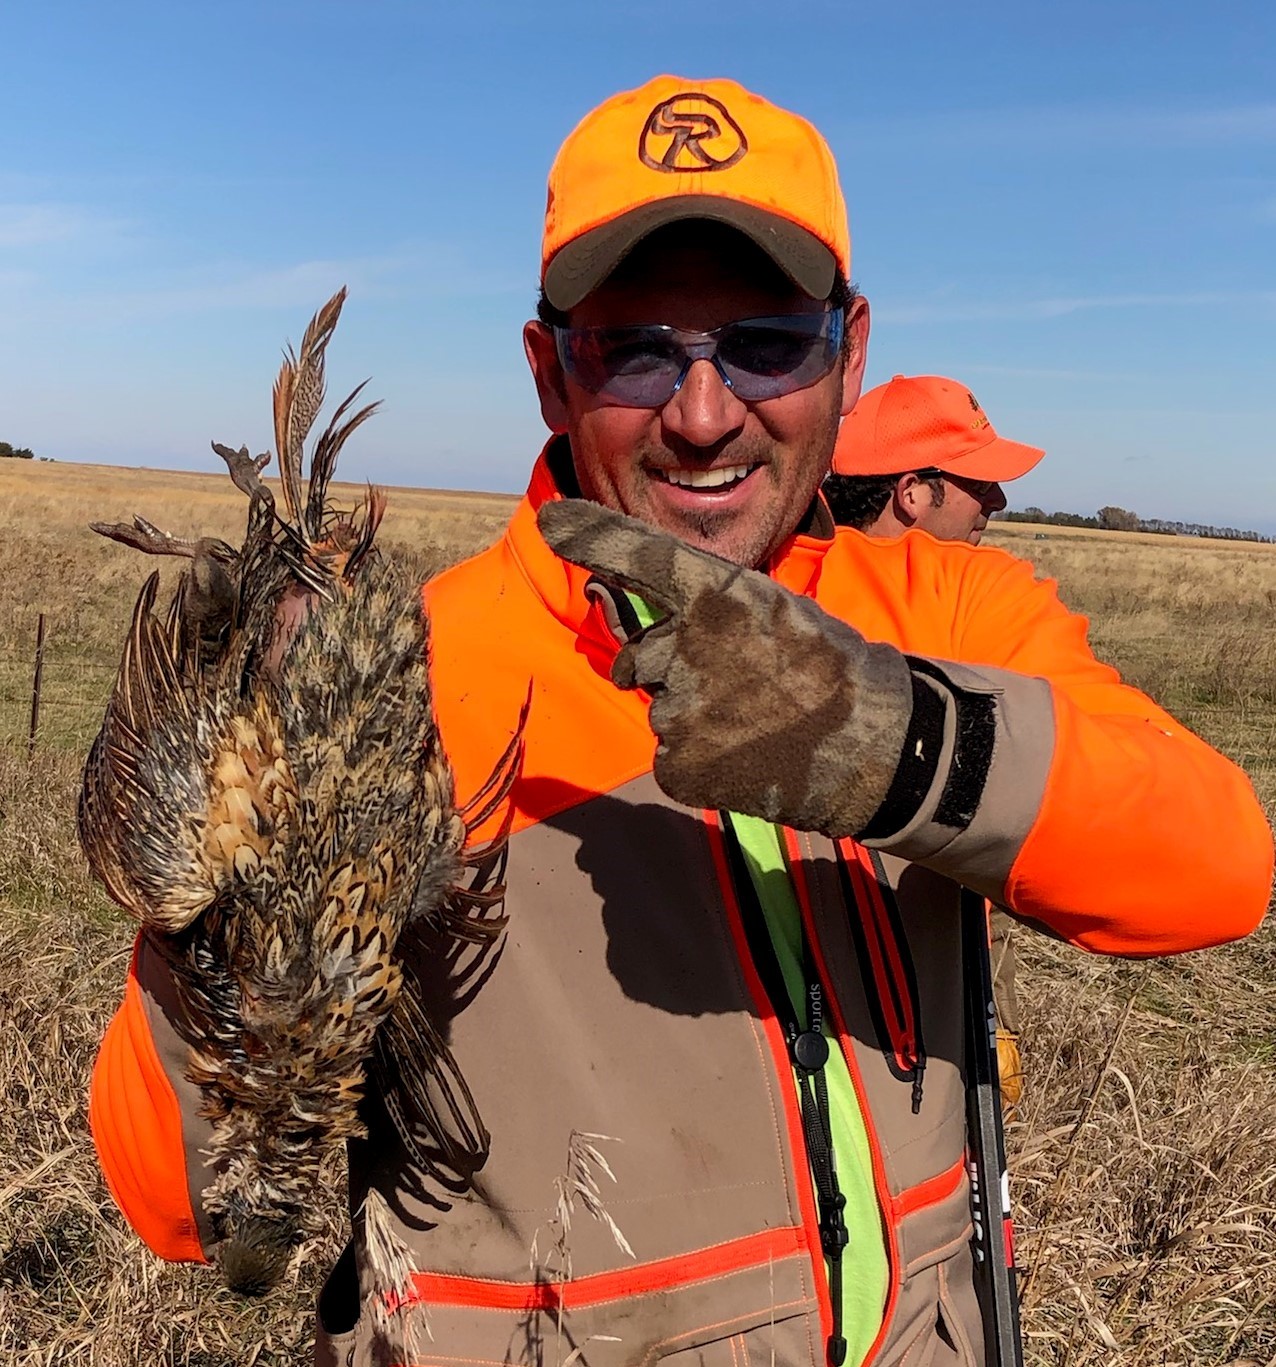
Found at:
[763, 704]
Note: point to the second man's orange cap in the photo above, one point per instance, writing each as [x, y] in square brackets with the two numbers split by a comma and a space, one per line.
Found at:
[677, 149]
[926, 422]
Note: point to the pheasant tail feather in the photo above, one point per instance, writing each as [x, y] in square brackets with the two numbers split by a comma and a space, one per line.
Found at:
[327, 449]
[298, 396]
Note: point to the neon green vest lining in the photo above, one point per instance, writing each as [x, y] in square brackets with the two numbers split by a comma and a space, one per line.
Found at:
[865, 1267]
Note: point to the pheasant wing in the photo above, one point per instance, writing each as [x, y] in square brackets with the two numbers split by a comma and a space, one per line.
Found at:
[148, 689]
[446, 952]
[424, 1090]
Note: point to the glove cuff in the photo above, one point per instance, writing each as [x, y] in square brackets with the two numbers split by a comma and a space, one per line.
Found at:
[918, 763]
[948, 747]
[998, 741]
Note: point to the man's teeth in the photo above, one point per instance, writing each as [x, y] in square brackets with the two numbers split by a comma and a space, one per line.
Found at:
[707, 479]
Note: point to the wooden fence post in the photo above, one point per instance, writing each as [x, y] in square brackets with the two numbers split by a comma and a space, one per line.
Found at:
[35, 687]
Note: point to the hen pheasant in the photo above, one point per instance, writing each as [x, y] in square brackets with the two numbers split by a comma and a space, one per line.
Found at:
[268, 795]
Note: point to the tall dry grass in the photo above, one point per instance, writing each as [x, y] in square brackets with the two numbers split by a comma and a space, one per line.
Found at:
[1190, 622]
[1159, 1244]
[1144, 1155]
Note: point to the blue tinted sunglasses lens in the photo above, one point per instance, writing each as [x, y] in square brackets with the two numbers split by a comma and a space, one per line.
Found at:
[768, 357]
[759, 358]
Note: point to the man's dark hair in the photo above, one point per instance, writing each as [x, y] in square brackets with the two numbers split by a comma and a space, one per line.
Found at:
[841, 296]
[858, 500]
[548, 314]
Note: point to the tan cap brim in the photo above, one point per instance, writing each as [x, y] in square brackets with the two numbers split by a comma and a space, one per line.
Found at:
[583, 264]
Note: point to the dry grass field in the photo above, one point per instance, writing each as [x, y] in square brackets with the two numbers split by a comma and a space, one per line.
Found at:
[1144, 1157]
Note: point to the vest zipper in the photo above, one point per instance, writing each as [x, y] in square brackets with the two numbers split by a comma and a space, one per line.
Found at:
[800, 850]
[886, 962]
[808, 1051]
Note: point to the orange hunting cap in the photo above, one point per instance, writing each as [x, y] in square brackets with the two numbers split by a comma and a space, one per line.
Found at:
[923, 422]
[676, 149]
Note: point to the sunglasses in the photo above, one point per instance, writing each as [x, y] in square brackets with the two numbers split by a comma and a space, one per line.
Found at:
[757, 358]
[978, 489]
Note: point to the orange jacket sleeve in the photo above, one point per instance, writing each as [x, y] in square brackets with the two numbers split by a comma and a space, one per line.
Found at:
[1111, 824]
[1148, 841]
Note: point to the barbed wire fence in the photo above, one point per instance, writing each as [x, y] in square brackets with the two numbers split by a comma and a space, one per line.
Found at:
[52, 694]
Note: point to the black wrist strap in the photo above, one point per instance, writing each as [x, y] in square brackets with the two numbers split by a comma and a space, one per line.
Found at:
[973, 743]
[918, 764]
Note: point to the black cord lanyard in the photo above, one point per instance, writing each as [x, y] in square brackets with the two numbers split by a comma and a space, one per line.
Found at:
[809, 1052]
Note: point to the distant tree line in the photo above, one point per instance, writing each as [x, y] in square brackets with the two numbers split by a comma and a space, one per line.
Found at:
[1112, 519]
[16, 452]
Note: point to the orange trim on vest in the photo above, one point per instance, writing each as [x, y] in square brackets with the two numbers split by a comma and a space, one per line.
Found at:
[137, 1128]
[784, 1068]
[885, 1201]
[893, 986]
[929, 1193]
[756, 1250]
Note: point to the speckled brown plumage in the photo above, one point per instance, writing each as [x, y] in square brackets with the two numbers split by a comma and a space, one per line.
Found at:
[268, 795]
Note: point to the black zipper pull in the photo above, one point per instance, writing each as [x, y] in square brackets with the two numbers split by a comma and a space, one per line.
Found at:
[834, 1236]
[810, 1051]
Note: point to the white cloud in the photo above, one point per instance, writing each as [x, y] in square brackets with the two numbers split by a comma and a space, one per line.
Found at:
[1018, 372]
[221, 287]
[301, 285]
[39, 225]
[1243, 123]
[1060, 306]
[1042, 126]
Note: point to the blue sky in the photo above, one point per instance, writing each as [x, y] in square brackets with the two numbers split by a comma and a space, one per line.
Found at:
[1072, 208]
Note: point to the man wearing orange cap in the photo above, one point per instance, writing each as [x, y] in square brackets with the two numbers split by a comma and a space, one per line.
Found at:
[759, 760]
[920, 452]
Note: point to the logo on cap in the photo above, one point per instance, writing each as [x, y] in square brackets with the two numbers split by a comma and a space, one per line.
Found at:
[981, 421]
[691, 132]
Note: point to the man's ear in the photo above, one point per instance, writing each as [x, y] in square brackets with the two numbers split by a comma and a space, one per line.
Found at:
[910, 498]
[856, 353]
[547, 371]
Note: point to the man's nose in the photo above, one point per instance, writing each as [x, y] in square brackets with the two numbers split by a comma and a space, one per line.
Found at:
[704, 410]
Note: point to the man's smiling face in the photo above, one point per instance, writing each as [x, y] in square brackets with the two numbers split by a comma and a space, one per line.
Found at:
[729, 476]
